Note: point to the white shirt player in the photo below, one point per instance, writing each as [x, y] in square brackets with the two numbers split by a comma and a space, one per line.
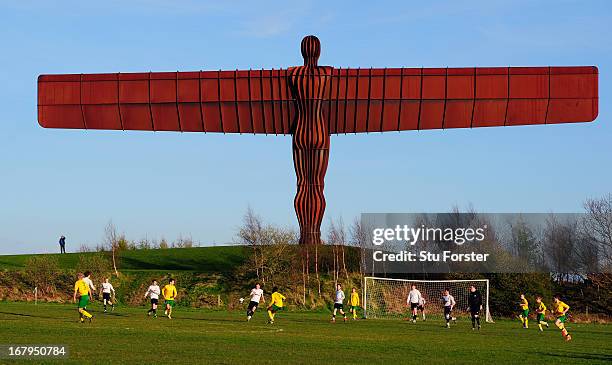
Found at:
[107, 288]
[256, 295]
[448, 300]
[90, 283]
[153, 291]
[339, 297]
[414, 297]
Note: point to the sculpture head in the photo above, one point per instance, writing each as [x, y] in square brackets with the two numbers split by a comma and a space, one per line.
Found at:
[311, 50]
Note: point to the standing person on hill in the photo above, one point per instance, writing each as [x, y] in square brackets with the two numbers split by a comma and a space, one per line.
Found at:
[62, 243]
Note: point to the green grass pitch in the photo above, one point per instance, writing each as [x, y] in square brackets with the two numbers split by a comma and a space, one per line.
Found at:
[198, 336]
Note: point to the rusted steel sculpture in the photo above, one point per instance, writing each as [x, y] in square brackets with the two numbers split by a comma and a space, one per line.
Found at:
[312, 102]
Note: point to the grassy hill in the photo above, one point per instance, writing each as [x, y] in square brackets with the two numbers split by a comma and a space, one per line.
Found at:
[218, 259]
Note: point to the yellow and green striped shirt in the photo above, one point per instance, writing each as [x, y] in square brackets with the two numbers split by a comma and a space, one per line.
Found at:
[560, 308]
[81, 287]
[542, 308]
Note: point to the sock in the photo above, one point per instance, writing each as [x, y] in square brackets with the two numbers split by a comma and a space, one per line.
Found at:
[473, 322]
[526, 322]
[85, 313]
[104, 306]
[522, 319]
[270, 315]
[478, 321]
[414, 317]
[540, 326]
[354, 314]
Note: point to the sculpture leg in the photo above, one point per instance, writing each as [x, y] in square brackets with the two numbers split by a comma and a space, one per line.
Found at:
[310, 167]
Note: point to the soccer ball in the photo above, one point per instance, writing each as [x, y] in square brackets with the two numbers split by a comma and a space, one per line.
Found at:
[241, 300]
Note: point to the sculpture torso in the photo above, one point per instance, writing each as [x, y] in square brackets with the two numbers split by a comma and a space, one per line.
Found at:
[308, 85]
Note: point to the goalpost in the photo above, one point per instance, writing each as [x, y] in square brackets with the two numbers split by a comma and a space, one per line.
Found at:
[386, 298]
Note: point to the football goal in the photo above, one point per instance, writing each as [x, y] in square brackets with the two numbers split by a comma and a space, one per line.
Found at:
[386, 298]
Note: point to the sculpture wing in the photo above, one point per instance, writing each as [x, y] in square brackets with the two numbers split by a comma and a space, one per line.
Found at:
[398, 99]
[254, 101]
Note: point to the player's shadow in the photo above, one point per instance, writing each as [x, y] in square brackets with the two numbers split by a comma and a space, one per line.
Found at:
[26, 315]
[579, 355]
[229, 320]
[112, 315]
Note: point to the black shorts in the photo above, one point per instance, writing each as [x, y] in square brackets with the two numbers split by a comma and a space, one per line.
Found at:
[447, 310]
[106, 296]
[414, 305]
[252, 305]
[421, 307]
[154, 300]
[338, 306]
[474, 311]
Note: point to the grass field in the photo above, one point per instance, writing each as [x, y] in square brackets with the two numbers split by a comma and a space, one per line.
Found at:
[198, 336]
[201, 259]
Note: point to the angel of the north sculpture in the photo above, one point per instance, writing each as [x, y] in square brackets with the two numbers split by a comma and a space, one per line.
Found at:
[312, 102]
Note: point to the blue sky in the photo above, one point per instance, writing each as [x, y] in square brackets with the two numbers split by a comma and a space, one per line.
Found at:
[158, 185]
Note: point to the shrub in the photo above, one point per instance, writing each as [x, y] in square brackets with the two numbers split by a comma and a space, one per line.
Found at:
[98, 263]
[41, 271]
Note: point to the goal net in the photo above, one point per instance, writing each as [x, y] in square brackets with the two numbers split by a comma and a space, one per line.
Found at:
[386, 298]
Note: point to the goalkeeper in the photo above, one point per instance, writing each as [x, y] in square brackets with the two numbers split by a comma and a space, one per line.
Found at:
[475, 306]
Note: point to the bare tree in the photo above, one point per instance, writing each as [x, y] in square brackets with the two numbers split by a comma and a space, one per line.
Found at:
[111, 240]
[250, 234]
[271, 247]
[359, 239]
[337, 238]
[598, 225]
